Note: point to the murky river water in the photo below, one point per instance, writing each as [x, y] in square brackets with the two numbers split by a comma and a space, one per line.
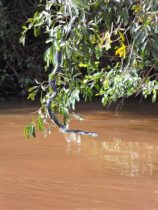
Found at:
[118, 170]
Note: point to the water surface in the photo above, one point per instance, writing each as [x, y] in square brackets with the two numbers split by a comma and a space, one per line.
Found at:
[118, 170]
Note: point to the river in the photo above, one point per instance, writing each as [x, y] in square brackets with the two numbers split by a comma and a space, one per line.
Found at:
[118, 170]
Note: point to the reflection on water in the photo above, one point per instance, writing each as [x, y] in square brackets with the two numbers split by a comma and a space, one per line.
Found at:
[117, 156]
[73, 137]
[118, 170]
[73, 143]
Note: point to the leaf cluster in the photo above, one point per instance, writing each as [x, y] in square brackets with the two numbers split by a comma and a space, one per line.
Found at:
[110, 50]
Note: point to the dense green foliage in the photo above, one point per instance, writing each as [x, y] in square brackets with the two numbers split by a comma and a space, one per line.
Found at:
[111, 52]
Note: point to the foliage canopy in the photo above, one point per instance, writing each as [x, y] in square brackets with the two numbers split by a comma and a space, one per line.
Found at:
[109, 49]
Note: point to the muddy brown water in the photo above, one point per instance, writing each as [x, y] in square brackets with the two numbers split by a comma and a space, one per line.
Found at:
[116, 170]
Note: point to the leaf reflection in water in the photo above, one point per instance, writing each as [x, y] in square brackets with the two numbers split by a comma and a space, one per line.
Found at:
[116, 156]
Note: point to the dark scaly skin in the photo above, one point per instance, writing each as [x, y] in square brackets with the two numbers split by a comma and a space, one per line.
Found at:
[52, 84]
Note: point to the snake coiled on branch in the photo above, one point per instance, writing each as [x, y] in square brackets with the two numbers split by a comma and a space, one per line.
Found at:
[53, 86]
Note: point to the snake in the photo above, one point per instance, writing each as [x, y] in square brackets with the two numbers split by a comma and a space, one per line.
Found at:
[53, 85]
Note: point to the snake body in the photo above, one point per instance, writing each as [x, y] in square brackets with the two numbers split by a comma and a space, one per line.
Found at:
[52, 84]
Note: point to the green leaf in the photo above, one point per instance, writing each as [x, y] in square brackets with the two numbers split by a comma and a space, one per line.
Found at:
[37, 31]
[29, 130]
[32, 95]
[40, 124]
[154, 96]
[84, 65]
[32, 88]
